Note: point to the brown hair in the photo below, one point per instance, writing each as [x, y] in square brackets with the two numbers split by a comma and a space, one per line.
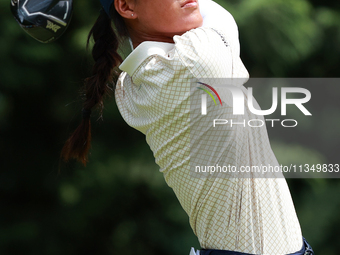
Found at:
[104, 73]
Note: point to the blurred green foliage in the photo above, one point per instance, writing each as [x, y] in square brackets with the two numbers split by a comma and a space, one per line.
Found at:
[120, 203]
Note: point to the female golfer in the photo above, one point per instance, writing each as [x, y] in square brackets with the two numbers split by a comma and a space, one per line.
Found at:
[174, 45]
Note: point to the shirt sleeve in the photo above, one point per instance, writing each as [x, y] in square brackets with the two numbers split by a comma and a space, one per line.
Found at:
[207, 55]
[217, 17]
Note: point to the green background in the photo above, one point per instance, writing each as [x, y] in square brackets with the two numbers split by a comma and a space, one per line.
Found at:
[119, 203]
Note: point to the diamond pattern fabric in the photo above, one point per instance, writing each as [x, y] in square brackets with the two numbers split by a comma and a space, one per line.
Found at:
[154, 96]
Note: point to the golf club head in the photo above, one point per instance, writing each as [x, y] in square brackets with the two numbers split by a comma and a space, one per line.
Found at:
[44, 20]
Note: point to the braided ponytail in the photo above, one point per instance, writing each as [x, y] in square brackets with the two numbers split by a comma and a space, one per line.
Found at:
[106, 58]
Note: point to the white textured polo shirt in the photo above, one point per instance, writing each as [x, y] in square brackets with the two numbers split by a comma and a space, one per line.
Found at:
[251, 215]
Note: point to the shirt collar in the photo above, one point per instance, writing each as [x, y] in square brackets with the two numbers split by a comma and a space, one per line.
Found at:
[143, 51]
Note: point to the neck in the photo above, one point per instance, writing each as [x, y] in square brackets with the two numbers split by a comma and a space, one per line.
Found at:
[137, 37]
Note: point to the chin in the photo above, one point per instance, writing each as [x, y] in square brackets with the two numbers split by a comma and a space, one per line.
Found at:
[193, 23]
[193, 26]
[197, 22]
[187, 24]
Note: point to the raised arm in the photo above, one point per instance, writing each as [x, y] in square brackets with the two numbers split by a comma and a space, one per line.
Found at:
[217, 17]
